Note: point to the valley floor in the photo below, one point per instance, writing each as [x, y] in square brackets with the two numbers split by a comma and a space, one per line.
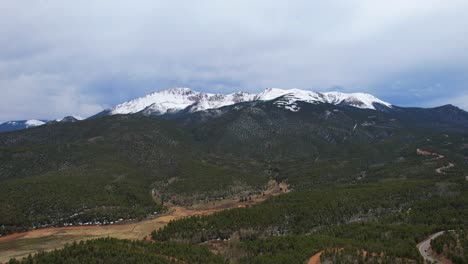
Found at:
[20, 245]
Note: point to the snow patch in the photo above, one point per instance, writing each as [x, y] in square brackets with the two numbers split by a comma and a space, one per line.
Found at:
[78, 117]
[34, 123]
[359, 100]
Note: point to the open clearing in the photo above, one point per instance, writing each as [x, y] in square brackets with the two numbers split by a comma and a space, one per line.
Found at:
[20, 245]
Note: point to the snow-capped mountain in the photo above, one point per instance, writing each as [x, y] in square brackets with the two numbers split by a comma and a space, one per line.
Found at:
[177, 99]
[24, 124]
[291, 96]
[21, 124]
[359, 100]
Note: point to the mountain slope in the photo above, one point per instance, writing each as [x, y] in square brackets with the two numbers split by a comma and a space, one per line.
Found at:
[263, 130]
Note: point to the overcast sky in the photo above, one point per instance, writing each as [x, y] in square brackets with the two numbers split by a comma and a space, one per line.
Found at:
[62, 57]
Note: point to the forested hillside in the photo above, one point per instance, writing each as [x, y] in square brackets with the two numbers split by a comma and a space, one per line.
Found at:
[109, 169]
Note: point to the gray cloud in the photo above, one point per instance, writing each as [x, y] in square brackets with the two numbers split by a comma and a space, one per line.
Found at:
[61, 57]
[43, 96]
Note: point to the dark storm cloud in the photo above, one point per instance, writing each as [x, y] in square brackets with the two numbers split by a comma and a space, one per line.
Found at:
[77, 57]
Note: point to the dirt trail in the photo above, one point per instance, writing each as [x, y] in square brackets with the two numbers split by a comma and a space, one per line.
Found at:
[427, 153]
[441, 169]
[20, 245]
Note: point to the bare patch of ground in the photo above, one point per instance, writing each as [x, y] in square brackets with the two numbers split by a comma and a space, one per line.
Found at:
[315, 259]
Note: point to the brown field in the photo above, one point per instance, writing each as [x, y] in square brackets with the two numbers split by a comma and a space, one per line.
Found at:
[20, 245]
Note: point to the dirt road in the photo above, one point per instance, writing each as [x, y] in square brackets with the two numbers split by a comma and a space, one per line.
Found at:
[437, 157]
[441, 169]
[20, 245]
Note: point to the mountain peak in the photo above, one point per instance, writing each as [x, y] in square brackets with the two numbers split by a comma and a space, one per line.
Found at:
[70, 119]
[359, 100]
[179, 98]
[21, 124]
[449, 108]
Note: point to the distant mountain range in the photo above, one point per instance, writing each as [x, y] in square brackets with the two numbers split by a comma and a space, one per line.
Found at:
[186, 100]
[23, 124]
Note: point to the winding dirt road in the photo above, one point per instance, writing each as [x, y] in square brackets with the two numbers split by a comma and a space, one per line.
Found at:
[436, 156]
[441, 169]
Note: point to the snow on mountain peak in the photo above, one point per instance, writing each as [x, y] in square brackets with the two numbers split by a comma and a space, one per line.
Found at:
[34, 123]
[359, 100]
[176, 99]
[72, 118]
[300, 95]
[20, 124]
[80, 118]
